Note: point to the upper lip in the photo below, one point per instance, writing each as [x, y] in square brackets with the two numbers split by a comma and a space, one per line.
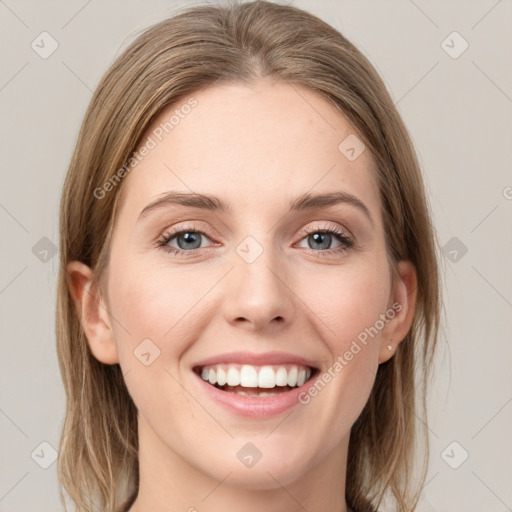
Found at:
[262, 359]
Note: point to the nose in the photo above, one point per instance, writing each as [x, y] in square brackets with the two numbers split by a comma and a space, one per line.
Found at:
[259, 295]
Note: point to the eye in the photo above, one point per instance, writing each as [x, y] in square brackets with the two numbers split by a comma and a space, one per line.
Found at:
[323, 238]
[187, 240]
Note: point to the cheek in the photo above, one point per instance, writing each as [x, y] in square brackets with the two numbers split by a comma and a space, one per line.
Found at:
[347, 302]
[156, 315]
[158, 304]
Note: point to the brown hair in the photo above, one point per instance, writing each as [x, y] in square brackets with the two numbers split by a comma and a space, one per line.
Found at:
[195, 49]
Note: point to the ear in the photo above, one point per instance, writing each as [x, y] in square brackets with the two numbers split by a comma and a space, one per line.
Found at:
[92, 311]
[403, 304]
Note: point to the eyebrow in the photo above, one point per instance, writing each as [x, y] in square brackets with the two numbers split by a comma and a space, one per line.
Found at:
[303, 202]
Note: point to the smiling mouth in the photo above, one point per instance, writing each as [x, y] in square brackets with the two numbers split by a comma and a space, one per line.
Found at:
[255, 381]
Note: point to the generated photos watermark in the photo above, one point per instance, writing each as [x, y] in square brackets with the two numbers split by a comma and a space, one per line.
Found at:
[344, 359]
[151, 142]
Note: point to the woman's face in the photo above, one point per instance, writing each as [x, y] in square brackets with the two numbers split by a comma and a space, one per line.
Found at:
[258, 281]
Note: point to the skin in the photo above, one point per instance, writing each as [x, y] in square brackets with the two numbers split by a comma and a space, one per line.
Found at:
[257, 148]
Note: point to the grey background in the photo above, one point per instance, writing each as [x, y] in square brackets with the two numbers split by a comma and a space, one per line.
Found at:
[458, 111]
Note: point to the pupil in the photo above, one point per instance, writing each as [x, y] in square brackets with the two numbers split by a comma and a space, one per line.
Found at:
[321, 237]
[188, 239]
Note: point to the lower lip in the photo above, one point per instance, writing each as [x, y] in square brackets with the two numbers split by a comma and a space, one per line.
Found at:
[254, 407]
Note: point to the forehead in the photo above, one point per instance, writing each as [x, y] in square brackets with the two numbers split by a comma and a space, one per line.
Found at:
[245, 144]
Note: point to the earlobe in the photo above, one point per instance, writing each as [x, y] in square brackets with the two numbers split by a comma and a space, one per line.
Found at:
[404, 305]
[92, 312]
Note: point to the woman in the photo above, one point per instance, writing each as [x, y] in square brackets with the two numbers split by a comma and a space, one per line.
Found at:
[249, 281]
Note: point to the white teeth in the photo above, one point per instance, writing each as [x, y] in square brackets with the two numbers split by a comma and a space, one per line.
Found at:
[233, 377]
[302, 377]
[292, 376]
[266, 378]
[247, 376]
[221, 377]
[281, 377]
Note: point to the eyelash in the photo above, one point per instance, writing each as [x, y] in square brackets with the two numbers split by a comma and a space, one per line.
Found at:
[346, 242]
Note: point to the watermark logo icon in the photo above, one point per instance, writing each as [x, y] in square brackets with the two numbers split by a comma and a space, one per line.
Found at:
[454, 249]
[44, 45]
[249, 249]
[44, 250]
[44, 455]
[454, 45]
[351, 147]
[454, 455]
[249, 455]
[146, 352]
